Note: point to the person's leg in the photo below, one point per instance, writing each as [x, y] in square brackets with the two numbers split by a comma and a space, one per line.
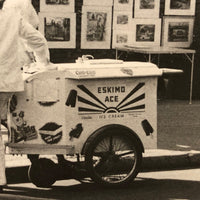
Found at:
[4, 97]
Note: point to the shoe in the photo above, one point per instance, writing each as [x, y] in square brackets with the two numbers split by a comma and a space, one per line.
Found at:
[1, 189]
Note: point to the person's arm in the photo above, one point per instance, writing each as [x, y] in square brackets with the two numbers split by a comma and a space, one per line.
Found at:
[35, 41]
[32, 16]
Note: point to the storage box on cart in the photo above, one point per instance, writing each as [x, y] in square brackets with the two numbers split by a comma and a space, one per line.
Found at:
[60, 109]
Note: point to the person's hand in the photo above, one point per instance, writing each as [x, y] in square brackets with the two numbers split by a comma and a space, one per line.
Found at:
[51, 66]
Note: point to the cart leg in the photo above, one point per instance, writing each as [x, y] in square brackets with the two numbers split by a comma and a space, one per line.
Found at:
[71, 169]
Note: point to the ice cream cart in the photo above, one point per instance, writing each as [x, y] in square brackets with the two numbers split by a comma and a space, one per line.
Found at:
[103, 110]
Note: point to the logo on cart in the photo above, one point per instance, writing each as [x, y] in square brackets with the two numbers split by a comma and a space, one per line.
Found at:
[76, 132]
[51, 133]
[20, 130]
[130, 103]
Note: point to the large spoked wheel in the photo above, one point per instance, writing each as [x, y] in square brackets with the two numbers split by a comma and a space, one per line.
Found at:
[113, 159]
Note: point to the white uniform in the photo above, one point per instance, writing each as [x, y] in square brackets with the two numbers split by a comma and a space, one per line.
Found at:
[28, 13]
[13, 26]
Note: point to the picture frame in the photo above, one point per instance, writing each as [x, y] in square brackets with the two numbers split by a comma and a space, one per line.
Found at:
[146, 8]
[147, 32]
[96, 27]
[121, 38]
[98, 3]
[123, 5]
[122, 20]
[180, 7]
[177, 31]
[57, 6]
[59, 29]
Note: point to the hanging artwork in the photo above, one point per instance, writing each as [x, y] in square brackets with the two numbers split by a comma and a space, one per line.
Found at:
[59, 29]
[57, 5]
[96, 27]
[147, 32]
[122, 20]
[180, 7]
[146, 8]
[123, 5]
[98, 3]
[177, 31]
[120, 38]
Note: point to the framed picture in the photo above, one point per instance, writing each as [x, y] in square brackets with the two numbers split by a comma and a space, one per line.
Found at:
[59, 29]
[98, 3]
[177, 31]
[96, 27]
[56, 5]
[180, 7]
[120, 38]
[122, 20]
[146, 8]
[123, 5]
[147, 32]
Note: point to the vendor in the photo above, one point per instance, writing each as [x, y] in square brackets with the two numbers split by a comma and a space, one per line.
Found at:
[14, 27]
[26, 9]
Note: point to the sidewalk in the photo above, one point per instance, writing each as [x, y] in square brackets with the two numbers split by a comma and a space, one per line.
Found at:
[155, 159]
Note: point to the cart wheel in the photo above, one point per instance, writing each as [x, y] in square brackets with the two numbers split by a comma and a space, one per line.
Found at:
[42, 172]
[113, 158]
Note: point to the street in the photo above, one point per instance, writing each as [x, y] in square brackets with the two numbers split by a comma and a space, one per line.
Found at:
[161, 185]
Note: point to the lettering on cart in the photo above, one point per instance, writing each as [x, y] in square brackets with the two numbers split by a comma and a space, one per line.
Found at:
[114, 89]
[111, 116]
[51, 133]
[110, 90]
[76, 132]
[86, 117]
[20, 131]
[91, 103]
[86, 73]
[127, 71]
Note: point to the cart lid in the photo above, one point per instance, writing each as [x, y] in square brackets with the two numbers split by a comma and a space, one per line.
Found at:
[102, 68]
[108, 68]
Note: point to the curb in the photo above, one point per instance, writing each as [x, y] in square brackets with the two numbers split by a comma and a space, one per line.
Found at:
[171, 162]
[151, 163]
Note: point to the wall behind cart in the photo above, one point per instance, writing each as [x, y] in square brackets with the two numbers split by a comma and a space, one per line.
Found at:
[178, 87]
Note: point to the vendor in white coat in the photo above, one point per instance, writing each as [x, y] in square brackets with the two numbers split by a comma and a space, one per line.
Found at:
[28, 12]
[12, 28]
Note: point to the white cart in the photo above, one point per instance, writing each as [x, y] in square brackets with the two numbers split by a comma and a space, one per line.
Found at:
[102, 110]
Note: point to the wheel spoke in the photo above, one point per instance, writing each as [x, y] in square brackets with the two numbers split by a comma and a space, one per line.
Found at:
[126, 153]
[111, 144]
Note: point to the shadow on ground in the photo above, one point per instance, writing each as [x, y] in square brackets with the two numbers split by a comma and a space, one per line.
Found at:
[140, 189]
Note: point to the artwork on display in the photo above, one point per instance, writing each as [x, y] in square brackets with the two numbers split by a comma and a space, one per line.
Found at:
[96, 27]
[123, 5]
[146, 8]
[98, 2]
[177, 31]
[180, 7]
[122, 20]
[59, 29]
[57, 6]
[120, 38]
[147, 32]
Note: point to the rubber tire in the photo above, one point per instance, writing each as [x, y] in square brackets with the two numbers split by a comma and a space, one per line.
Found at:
[42, 173]
[89, 162]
